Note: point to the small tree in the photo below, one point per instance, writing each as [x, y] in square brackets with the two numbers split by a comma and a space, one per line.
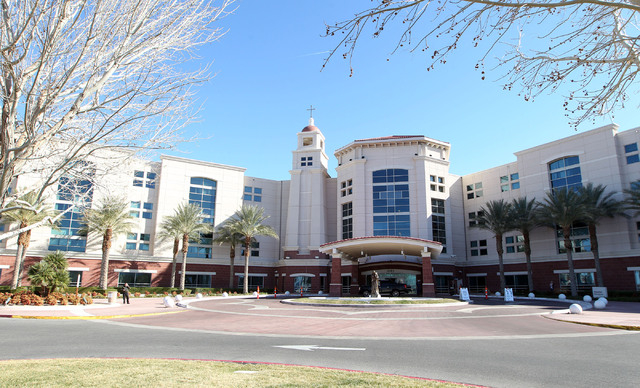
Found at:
[50, 272]
[495, 216]
[248, 222]
[38, 212]
[108, 220]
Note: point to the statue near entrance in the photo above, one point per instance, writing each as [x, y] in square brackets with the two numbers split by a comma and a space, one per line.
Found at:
[375, 285]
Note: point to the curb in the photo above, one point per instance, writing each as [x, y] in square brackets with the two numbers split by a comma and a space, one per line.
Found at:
[89, 317]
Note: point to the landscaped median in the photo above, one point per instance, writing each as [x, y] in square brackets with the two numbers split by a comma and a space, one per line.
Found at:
[320, 301]
[193, 373]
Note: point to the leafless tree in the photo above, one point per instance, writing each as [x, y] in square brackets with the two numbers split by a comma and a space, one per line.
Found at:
[78, 77]
[590, 47]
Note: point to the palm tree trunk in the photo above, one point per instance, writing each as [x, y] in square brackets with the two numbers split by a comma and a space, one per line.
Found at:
[176, 246]
[185, 248]
[247, 247]
[595, 250]
[104, 267]
[232, 259]
[503, 283]
[17, 268]
[104, 270]
[569, 248]
[527, 255]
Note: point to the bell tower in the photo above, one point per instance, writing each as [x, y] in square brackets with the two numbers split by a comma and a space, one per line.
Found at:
[306, 219]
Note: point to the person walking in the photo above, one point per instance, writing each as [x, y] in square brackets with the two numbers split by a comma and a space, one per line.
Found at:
[125, 293]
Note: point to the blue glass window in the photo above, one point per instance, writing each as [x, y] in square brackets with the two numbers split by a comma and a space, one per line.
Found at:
[631, 147]
[633, 159]
[390, 200]
[562, 175]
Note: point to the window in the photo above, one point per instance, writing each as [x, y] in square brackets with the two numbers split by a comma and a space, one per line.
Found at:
[632, 153]
[197, 280]
[75, 278]
[147, 180]
[252, 194]
[255, 249]
[303, 282]
[306, 161]
[584, 279]
[637, 276]
[199, 252]
[254, 282]
[440, 183]
[504, 183]
[346, 188]
[134, 279]
[391, 203]
[565, 173]
[638, 229]
[633, 159]
[75, 192]
[136, 207]
[437, 206]
[579, 238]
[138, 242]
[473, 217]
[474, 190]
[478, 247]
[347, 220]
[438, 222]
[307, 141]
[514, 244]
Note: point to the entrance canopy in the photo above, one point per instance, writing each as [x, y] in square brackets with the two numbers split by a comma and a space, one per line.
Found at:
[354, 248]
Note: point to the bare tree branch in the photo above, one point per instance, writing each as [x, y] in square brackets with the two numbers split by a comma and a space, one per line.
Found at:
[78, 76]
[589, 47]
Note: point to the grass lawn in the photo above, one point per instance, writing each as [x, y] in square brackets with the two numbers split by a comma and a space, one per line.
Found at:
[179, 373]
[375, 301]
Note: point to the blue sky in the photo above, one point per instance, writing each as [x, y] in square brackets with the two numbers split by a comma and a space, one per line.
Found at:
[268, 72]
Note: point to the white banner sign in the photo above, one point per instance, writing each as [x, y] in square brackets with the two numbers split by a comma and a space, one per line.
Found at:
[508, 295]
[464, 294]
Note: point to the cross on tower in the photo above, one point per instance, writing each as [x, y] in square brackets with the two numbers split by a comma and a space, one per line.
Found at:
[311, 109]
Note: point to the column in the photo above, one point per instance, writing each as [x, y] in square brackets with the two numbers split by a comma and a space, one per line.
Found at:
[335, 286]
[428, 287]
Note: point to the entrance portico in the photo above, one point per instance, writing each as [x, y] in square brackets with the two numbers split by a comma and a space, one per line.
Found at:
[355, 248]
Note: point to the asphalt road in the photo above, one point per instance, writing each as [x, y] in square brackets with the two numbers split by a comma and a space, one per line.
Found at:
[603, 357]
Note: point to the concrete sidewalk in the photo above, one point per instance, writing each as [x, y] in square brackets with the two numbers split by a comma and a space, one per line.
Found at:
[618, 315]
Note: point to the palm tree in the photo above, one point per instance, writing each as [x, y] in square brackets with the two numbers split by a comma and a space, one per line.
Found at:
[109, 219]
[523, 217]
[632, 201]
[597, 206]
[248, 222]
[562, 208]
[495, 216]
[25, 217]
[226, 235]
[169, 229]
[188, 222]
[50, 272]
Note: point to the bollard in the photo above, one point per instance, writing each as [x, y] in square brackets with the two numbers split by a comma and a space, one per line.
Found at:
[275, 292]
[486, 293]
[300, 290]
[258, 292]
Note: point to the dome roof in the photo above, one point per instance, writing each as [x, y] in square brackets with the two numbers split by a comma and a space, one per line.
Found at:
[310, 127]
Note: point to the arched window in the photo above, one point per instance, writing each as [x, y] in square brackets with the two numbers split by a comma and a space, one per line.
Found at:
[565, 173]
